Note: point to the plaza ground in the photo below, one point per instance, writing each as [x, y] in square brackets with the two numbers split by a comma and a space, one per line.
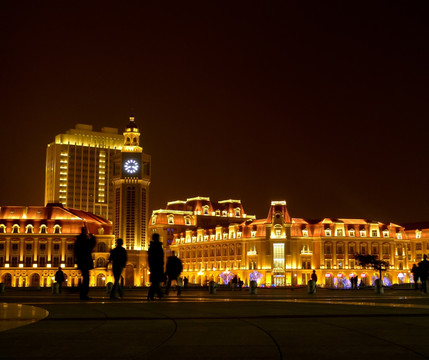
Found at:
[273, 324]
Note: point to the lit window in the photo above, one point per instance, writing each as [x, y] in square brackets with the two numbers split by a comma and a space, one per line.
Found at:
[217, 212]
[386, 233]
[171, 220]
[29, 229]
[43, 229]
[15, 229]
[224, 213]
[206, 210]
[187, 221]
[2, 229]
[57, 229]
[339, 232]
[374, 233]
[237, 212]
[305, 232]
[398, 235]
[253, 233]
[154, 220]
[363, 233]
[352, 233]
[418, 234]
[327, 232]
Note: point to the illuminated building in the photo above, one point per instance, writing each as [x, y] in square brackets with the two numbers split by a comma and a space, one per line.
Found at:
[107, 174]
[36, 240]
[79, 169]
[217, 243]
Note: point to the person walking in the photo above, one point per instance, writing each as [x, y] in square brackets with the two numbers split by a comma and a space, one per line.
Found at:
[314, 277]
[415, 272]
[59, 278]
[118, 257]
[173, 269]
[84, 244]
[424, 272]
[156, 267]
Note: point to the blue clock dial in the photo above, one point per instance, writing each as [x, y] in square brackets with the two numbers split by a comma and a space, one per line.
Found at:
[131, 166]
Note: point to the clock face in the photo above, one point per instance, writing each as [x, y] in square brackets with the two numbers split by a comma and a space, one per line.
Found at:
[131, 166]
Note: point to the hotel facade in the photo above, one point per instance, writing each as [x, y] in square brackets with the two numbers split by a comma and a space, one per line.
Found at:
[36, 240]
[218, 240]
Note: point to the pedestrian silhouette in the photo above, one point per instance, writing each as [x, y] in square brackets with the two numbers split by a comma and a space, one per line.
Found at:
[156, 267]
[173, 269]
[314, 277]
[424, 272]
[415, 272]
[59, 278]
[82, 250]
[118, 257]
[185, 282]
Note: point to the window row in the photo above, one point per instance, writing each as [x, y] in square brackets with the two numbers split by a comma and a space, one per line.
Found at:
[29, 229]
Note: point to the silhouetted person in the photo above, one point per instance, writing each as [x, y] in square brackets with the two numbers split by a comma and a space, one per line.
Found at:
[173, 269]
[156, 267]
[240, 283]
[314, 277]
[59, 278]
[424, 272]
[234, 282]
[185, 282]
[356, 282]
[118, 257]
[82, 251]
[415, 272]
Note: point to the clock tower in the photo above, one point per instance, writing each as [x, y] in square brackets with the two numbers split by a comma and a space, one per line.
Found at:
[131, 179]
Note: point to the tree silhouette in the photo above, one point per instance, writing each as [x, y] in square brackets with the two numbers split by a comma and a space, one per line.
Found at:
[372, 261]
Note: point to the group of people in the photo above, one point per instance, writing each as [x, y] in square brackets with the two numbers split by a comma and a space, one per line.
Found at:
[84, 245]
[421, 271]
[173, 269]
[354, 282]
[236, 281]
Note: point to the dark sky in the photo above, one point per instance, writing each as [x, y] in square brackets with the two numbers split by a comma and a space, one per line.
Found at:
[324, 105]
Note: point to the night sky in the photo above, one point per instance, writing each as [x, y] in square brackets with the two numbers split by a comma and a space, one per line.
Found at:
[324, 105]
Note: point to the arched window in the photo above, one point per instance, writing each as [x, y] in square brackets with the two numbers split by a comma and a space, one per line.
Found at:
[224, 213]
[2, 229]
[171, 220]
[29, 229]
[57, 229]
[43, 229]
[217, 212]
[15, 229]
[101, 262]
[187, 221]
[205, 210]
[237, 212]
[101, 247]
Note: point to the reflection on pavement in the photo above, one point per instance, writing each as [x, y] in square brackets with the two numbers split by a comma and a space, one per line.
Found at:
[16, 315]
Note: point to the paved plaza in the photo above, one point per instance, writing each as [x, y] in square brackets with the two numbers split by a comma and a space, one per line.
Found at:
[273, 324]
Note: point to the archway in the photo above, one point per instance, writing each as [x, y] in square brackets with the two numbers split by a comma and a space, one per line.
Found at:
[129, 275]
[101, 280]
[35, 280]
[7, 279]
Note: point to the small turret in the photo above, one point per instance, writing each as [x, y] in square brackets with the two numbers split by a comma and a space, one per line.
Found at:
[132, 137]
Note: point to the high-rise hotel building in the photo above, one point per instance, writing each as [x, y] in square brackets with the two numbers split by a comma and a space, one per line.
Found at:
[107, 174]
[79, 169]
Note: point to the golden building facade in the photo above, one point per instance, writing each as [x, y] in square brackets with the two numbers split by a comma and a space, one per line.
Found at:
[217, 241]
[79, 168]
[36, 240]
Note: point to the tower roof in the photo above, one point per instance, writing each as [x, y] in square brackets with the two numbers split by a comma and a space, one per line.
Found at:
[132, 126]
